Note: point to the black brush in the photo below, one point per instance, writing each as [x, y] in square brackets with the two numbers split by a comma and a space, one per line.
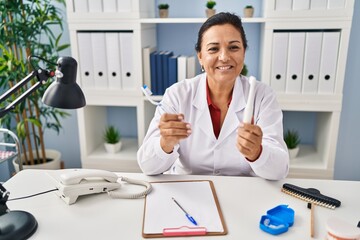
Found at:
[311, 195]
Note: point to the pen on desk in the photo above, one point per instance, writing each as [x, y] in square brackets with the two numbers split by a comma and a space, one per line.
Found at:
[191, 219]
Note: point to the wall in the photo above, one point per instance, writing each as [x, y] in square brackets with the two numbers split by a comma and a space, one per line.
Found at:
[347, 165]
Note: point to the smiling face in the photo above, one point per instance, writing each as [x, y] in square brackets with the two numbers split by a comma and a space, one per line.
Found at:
[222, 54]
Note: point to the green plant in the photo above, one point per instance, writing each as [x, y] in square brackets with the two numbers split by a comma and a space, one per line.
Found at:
[111, 135]
[248, 6]
[291, 138]
[210, 4]
[29, 28]
[163, 6]
[244, 71]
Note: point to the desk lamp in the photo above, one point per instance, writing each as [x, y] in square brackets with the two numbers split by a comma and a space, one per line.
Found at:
[62, 93]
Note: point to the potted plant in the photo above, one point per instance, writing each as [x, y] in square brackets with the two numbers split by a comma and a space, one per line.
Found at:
[163, 10]
[210, 11]
[248, 11]
[112, 139]
[244, 71]
[29, 28]
[292, 140]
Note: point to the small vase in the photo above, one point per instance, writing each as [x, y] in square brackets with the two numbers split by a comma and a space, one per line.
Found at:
[163, 13]
[248, 12]
[293, 152]
[113, 148]
[210, 12]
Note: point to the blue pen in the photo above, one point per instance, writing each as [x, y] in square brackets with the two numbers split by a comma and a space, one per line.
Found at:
[191, 219]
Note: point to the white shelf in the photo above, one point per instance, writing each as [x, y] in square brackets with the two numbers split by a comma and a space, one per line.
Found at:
[194, 20]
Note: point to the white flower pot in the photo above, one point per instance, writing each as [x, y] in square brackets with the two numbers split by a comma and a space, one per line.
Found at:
[293, 152]
[210, 12]
[113, 148]
[50, 154]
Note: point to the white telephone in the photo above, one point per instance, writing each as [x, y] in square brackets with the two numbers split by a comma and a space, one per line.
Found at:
[72, 183]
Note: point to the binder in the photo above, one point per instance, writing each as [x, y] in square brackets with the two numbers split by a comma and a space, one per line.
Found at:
[181, 66]
[312, 62]
[165, 69]
[301, 5]
[162, 217]
[126, 56]
[295, 62]
[336, 4]
[113, 60]
[99, 59]
[172, 70]
[81, 6]
[329, 58]
[85, 60]
[190, 67]
[279, 61]
[95, 5]
[318, 4]
[147, 65]
[153, 68]
[159, 73]
[109, 5]
[283, 5]
[124, 5]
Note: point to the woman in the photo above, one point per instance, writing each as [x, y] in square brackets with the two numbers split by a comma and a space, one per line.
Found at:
[199, 130]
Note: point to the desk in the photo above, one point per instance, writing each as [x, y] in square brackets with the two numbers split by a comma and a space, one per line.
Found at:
[243, 201]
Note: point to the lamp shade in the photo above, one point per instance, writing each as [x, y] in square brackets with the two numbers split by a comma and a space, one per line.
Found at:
[65, 92]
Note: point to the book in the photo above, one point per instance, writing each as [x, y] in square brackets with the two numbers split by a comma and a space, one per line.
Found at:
[146, 65]
[190, 67]
[165, 70]
[173, 74]
[153, 67]
[181, 67]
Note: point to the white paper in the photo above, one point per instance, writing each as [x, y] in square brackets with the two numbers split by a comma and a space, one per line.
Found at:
[195, 197]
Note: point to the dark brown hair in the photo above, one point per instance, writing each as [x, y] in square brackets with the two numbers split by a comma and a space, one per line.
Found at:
[221, 18]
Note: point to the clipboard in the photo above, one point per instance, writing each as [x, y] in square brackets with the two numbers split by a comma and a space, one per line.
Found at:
[163, 218]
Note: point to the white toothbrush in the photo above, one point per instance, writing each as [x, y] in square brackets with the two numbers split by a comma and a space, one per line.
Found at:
[250, 101]
[147, 92]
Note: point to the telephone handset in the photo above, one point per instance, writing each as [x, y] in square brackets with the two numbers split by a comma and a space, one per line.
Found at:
[72, 183]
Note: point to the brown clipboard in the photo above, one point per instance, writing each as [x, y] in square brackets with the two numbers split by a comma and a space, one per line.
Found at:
[161, 234]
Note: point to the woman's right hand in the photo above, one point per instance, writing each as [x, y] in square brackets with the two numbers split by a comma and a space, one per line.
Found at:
[172, 130]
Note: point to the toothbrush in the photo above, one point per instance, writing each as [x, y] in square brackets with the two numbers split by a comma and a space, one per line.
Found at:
[147, 92]
[250, 101]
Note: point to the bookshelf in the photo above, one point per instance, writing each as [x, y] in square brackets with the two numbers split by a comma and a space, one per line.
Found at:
[315, 160]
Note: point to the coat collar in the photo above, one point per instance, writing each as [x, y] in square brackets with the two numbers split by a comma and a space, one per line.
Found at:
[232, 119]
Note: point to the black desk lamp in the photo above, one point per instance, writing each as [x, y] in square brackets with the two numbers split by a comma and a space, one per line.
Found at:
[62, 93]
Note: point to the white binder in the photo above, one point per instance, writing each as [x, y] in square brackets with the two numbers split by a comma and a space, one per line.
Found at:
[312, 62]
[336, 4]
[81, 6]
[301, 5]
[109, 5]
[126, 59]
[318, 4]
[85, 60]
[279, 61]
[283, 5]
[329, 58]
[95, 5]
[99, 59]
[190, 67]
[113, 60]
[124, 5]
[295, 62]
[181, 67]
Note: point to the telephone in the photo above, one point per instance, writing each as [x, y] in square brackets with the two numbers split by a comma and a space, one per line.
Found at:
[72, 183]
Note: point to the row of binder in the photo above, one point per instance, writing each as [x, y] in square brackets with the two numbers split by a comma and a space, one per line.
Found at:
[304, 62]
[102, 6]
[294, 5]
[161, 69]
[106, 60]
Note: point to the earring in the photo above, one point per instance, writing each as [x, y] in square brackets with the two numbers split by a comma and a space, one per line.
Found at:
[202, 68]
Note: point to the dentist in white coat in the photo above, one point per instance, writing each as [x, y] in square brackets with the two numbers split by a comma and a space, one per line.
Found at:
[199, 129]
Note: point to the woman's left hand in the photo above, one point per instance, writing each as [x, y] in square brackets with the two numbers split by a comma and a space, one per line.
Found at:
[249, 139]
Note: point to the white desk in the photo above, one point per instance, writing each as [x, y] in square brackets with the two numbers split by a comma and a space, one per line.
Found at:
[243, 201]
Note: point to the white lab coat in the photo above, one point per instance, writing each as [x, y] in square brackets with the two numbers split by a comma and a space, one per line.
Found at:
[201, 152]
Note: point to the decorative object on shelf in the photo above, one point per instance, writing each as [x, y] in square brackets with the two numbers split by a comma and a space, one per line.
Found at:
[244, 71]
[248, 11]
[112, 139]
[163, 10]
[24, 24]
[210, 11]
[292, 140]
